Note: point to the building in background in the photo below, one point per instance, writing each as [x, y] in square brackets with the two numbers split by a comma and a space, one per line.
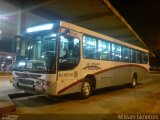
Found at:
[6, 61]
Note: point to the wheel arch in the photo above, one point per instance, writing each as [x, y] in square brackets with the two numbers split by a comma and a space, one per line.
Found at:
[134, 74]
[93, 80]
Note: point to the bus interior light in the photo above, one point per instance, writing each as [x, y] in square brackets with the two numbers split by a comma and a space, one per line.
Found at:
[40, 28]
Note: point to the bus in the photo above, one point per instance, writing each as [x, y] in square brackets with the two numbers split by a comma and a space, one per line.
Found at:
[60, 58]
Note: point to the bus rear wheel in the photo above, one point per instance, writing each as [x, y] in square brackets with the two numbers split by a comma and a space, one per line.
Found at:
[86, 88]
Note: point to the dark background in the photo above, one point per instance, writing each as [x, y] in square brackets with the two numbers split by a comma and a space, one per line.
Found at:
[144, 17]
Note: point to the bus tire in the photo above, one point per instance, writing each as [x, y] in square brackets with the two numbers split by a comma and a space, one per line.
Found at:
[86, 88]
[134, 81]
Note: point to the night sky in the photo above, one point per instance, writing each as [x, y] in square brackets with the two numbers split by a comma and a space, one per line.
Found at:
[144, 17]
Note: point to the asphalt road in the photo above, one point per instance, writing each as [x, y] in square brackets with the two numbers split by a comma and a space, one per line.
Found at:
[144, 99]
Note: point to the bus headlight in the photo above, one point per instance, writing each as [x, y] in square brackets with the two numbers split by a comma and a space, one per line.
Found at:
[41, 82]
[44, 83]
[40, 86]
[38, 83]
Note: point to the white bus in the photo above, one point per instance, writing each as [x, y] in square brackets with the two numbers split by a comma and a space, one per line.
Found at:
[60, 58]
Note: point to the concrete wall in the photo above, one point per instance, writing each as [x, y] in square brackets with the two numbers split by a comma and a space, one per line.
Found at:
[32, 19]
[13, 21]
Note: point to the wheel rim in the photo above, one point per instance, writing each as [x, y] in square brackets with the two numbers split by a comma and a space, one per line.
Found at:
[134, 81]
[86, 88]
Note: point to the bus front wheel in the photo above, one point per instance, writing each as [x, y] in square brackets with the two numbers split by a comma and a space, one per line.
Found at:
[86, 88]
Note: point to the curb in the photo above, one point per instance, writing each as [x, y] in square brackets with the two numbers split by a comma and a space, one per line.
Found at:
[7, 109]
[6, 105]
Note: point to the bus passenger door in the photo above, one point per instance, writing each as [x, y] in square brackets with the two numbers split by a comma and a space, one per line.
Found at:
[68, 64]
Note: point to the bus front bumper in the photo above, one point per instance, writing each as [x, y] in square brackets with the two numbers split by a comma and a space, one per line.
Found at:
[37, 86]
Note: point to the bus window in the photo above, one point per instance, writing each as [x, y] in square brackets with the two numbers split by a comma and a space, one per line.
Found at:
[145, 58]
[133, 55]
[116, 52]
[126, 54]
[139, 57]
[104, 49]
[89, 47]
[69, 52]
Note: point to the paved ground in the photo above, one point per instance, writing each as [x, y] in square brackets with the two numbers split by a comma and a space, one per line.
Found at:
[6, 104]
[144, 99]
[6, 87]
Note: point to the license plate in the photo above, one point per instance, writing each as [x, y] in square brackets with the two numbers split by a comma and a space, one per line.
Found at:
[29, 65]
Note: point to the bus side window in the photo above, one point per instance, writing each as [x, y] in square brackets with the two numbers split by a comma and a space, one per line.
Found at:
[126, 54]
[69, 52]
[116, 52]
[145, 58]
[139, 57]
[90, 48]
[104, 50]
[133, 55]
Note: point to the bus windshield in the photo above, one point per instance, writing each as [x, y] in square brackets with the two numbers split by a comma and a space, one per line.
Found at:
[36, 53]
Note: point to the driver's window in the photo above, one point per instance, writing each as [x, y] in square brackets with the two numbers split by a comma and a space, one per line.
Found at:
[69, 52]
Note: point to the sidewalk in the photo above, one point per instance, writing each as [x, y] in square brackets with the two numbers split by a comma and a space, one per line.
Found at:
[6, 104]
[5, 73]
